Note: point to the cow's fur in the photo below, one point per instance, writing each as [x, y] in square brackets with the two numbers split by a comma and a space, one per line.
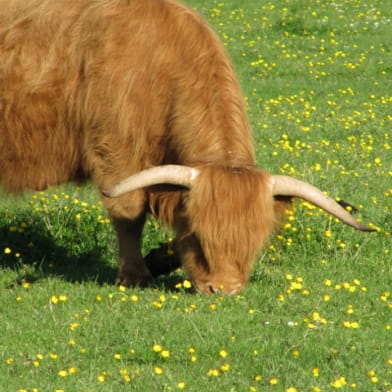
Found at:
[104, 88]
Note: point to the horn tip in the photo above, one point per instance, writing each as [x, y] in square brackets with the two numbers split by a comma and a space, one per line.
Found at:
[365, 228]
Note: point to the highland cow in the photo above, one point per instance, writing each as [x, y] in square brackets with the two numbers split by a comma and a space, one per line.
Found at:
[105, 89]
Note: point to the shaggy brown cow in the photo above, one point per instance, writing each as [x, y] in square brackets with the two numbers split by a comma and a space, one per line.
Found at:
[107, 88]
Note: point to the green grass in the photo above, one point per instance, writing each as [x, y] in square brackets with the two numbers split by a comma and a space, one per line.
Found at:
[317, 313]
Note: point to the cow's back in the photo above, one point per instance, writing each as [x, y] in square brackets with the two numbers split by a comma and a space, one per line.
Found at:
[88, 86]
[39, 143]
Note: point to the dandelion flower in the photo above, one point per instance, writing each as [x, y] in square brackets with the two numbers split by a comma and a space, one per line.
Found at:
[213, 373]
[186, 284]
[158, 370]
[72, 370]
[225, 367]
[339, 383]
[273, 381]
[157, 348]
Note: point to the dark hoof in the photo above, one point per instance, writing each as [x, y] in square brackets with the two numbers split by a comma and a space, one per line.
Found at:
[162, 261]
[132, 280]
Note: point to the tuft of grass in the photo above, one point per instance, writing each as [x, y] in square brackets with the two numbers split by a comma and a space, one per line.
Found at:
[316, 315]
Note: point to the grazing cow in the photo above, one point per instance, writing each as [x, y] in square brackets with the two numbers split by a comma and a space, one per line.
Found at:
[105, 89]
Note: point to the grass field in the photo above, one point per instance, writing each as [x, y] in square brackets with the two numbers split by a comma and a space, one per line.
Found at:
[317, 313]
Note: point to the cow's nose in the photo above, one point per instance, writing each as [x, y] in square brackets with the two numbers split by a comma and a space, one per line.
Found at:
[211, 289]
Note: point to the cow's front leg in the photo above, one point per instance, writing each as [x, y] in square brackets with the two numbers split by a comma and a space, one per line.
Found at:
[132, 268]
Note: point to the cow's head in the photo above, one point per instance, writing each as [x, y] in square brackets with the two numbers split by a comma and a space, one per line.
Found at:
[226, 215]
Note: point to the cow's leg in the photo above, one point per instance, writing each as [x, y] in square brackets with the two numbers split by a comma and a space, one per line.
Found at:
[132, 268]
[128, 216]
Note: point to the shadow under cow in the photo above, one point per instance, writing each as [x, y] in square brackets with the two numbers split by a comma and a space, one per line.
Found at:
[34, 253]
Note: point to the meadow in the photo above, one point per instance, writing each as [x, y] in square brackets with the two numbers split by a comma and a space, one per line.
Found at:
[317, 313]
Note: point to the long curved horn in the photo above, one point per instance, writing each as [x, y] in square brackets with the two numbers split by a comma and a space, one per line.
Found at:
[166, 174]
[288, 186]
